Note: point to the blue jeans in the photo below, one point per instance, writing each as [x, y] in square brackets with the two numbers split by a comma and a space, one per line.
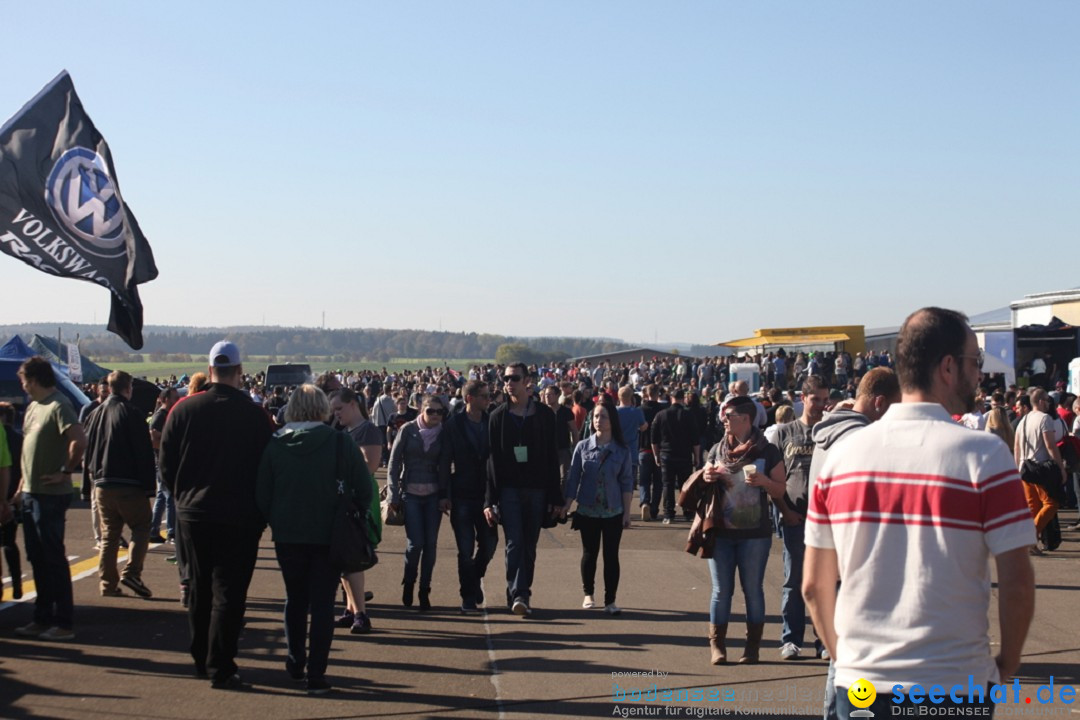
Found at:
[422, 519]
[476, 543]
[792, 605]
[830, 693]
[163, 505]
[44, 520]
[750, 557]
[310, 585]
[522, 511]
[649, 482]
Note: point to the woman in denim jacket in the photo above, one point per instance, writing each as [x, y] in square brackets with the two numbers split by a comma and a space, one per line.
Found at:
[419, 479]
[601, 481]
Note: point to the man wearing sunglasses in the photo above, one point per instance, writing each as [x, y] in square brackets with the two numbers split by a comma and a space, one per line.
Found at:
[524, 486]
[907, 513]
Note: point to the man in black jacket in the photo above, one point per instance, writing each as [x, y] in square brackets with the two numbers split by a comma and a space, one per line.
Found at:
[119, 467]
[676, 443]
[210, 452]
[650, 485]
[470, 449]
[524, 482]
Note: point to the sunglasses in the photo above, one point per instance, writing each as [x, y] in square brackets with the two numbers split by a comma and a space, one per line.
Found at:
[512, 378]
[979, 359]
[432, 411]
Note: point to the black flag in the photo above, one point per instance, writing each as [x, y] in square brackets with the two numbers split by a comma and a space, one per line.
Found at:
[60, 204]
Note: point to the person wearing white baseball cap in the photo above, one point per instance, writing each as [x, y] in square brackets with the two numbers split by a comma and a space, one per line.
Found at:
[224, 354]
[211, 447]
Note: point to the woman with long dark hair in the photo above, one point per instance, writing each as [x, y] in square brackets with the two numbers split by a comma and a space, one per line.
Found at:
[601, 481]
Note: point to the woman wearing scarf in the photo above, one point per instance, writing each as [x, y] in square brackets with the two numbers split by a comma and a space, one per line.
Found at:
[419, 478]
[602, 482]
[741, 473]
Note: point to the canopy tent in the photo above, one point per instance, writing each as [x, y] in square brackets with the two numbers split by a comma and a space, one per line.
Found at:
[49, 348]
[788, 340]
[850, 338]
[12, 355]
[16, 349]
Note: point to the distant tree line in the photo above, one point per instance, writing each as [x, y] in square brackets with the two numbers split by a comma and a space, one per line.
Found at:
[352, 345]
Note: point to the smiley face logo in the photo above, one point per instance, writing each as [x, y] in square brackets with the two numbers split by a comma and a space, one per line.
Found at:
[862, 694]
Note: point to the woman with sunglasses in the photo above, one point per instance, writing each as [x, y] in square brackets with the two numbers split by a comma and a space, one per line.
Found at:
[742, 472]
[419, 478]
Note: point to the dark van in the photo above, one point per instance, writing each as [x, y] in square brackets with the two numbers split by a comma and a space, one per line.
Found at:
[287, 375]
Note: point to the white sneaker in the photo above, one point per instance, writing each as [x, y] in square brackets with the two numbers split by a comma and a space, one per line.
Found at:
[588, 602]
[790, 651]
[613, 609]
[520, 607]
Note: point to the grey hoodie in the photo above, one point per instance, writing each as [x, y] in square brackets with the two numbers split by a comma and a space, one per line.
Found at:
[829, 431]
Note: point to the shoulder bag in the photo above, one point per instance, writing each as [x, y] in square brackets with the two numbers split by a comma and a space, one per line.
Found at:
[390, 516]
[1044, 474]
[350, 547]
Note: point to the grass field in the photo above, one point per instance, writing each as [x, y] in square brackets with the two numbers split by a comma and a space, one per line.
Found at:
[153, 370]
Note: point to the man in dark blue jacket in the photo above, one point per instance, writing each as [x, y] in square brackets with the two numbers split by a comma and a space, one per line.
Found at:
[120, 467]
[470, 450]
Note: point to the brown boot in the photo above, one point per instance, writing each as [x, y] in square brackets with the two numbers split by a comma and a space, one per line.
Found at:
[717, 635]
[754, 632]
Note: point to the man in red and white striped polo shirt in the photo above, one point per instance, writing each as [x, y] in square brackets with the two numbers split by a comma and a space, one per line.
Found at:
[907, 514]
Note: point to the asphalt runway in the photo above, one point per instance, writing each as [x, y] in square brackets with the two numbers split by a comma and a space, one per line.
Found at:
[129, 659]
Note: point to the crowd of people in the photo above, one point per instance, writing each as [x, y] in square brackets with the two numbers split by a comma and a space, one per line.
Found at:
[523, 448]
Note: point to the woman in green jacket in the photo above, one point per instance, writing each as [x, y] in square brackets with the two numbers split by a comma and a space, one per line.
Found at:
[297, 493]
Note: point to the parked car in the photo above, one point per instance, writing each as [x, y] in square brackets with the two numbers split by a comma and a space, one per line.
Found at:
[287, 375]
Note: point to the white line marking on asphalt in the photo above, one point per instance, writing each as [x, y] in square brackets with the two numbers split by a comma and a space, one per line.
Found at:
[491, 658]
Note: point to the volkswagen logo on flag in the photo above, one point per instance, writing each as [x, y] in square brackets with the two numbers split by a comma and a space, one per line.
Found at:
[84, 200]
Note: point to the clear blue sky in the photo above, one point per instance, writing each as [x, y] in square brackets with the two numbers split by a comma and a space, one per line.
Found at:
[687, 171]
